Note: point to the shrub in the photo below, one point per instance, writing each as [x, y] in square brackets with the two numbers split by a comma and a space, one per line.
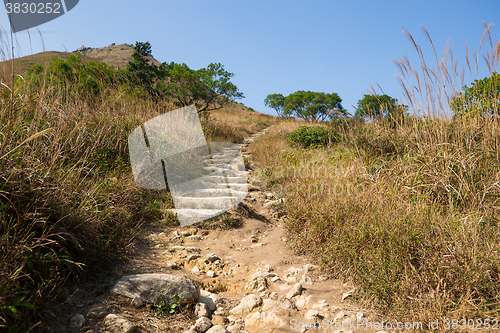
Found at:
[307, 136]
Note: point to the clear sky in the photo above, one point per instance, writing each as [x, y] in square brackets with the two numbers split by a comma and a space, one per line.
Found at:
[274, 46]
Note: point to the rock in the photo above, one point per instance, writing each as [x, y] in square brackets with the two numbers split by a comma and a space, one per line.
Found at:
[212, 257]
[247, 304]
[192, 249]
[157, 288]
[219, 311]
[253, 239]
[172, 265]
[234, 328]
[340, 315]
[76, 322]
[202, 310]
[309, 268]
[275, 279]
[194, 237]
[268, 268]
[274, 202]
[217, 329]
[219, 320]
[176, 234]
[306, 279]
[211, 274]
[192, 257]
[257, 283]
[203, 324]
[312, 314]
[277, 305]
[137, 302]
[347, 294]
[295, 291]
[195, 270]
[263, 275]
[117, 324]
[210, 299]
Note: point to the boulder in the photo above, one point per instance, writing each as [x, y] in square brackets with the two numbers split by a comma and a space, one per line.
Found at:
[247, 304]
[152, 288]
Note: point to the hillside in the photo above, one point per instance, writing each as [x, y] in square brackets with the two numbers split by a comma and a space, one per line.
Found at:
[113, 55]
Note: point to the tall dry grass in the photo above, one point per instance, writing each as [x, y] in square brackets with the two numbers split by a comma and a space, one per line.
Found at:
[407, 209]
[69, 207]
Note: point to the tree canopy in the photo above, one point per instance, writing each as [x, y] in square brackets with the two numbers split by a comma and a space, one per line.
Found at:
[482, 98]
[307, 105]
[276, 102]
[208, 88]
[379, 106]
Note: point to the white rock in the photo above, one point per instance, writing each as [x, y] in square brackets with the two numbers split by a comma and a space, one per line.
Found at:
[195, 270]
[306, 279]
[311, 314]
[211, 300]
[194, 237]
[203, 324]
[309, 268]
[172, 265]
[211, 274]
[218, 329]
[202, 310]
[212, 257]
[295, 291]
[247, 304]
[234, 328]
[340, 315]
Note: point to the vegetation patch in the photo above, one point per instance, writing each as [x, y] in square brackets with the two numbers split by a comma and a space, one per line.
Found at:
[314, 136]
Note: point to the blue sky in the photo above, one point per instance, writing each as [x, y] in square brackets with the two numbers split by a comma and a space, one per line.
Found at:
[275, 46]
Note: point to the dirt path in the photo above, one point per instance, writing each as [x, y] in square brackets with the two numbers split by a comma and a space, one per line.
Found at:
[255, 245]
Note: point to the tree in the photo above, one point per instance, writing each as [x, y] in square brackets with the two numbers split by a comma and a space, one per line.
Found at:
[482, 98]
[141, 71]
[209, 88]
[379, 106]
[276, 102]
[313, 106]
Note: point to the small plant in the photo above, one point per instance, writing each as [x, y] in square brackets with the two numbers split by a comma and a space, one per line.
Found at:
[317, 136]
[163, 308]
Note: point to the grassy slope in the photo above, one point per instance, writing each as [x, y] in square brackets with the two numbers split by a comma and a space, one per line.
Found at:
[69, 207]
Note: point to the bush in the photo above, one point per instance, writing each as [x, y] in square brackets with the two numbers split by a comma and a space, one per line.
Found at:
[314, 136]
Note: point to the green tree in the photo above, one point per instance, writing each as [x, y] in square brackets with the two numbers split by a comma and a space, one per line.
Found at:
[276, 102]
[208, 88]
[482, 98]
[379, 106]
[141, 71]
[313, 106]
